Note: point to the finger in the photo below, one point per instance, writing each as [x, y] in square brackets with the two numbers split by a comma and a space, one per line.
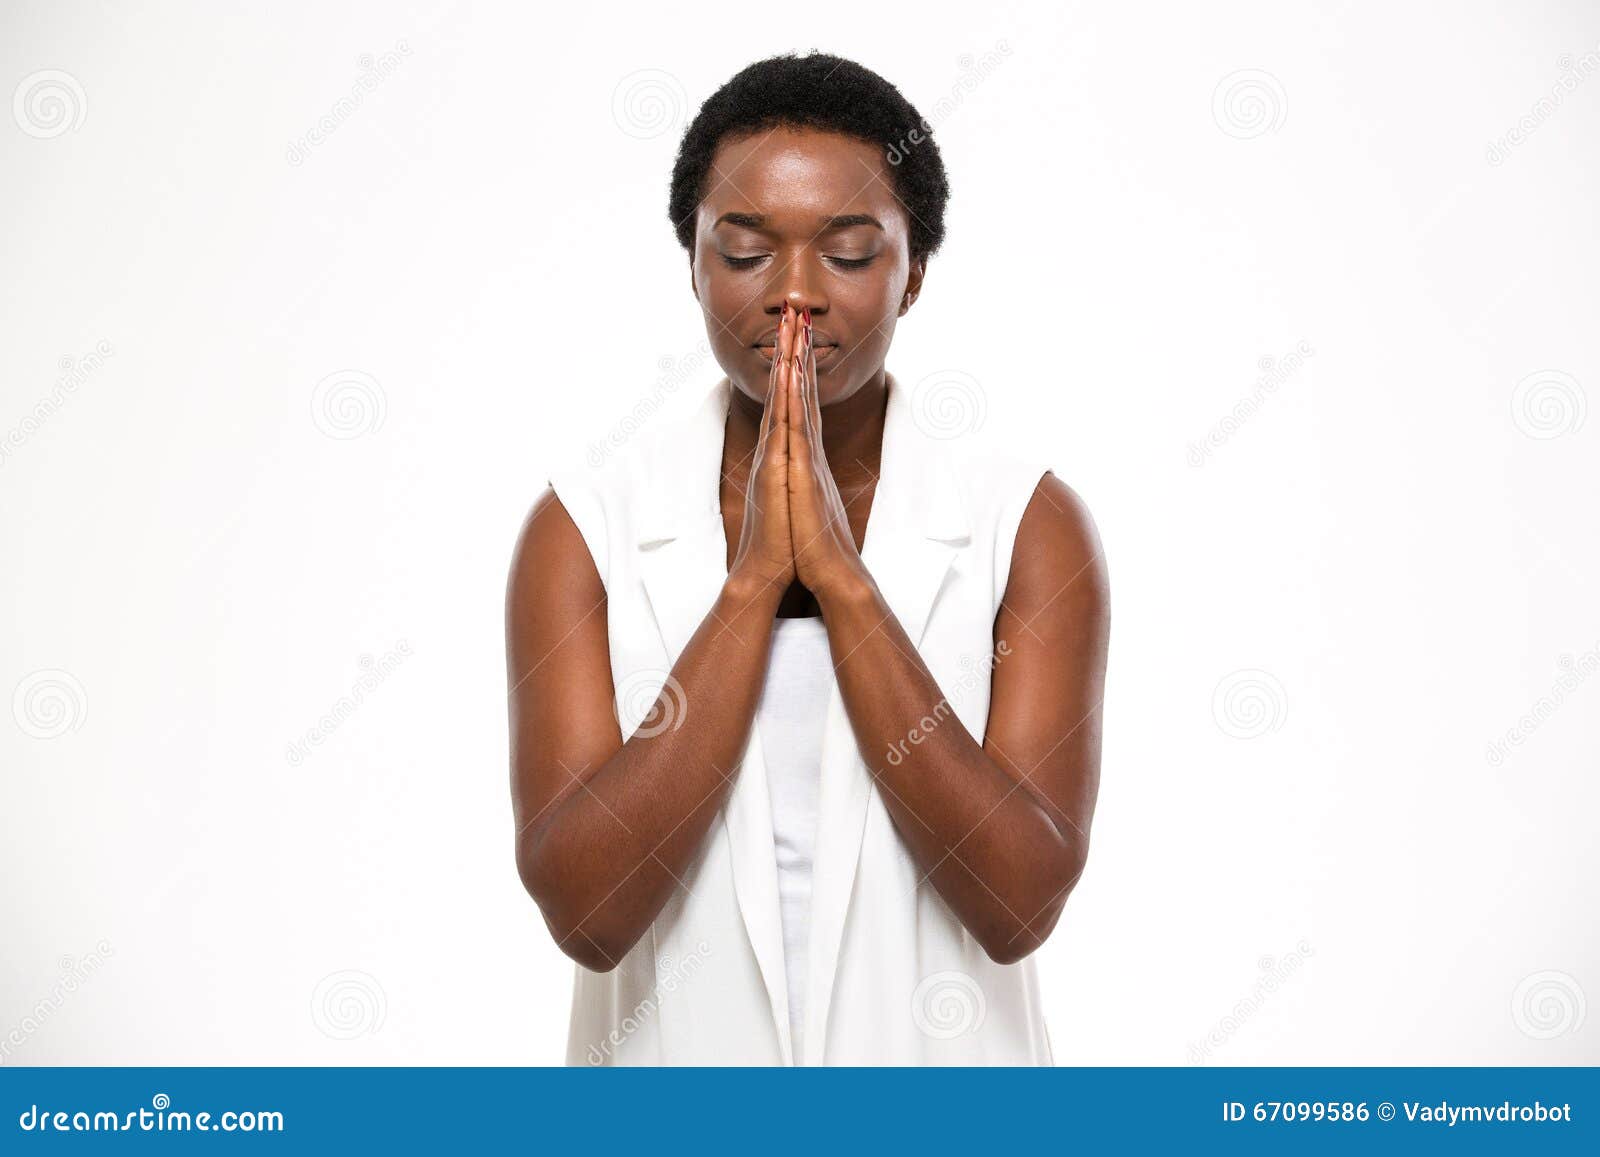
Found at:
[769, 411]
[808, 384]
[781, 368]
[772, 371]
[799, 445]
[774, 418]
[769, 415]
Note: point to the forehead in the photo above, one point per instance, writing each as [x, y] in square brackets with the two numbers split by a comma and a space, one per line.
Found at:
[788, 173]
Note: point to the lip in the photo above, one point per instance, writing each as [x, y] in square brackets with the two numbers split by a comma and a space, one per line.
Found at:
[819, 337]
[821, 352]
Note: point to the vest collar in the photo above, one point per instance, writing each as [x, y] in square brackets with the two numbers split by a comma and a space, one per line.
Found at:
[916, 530]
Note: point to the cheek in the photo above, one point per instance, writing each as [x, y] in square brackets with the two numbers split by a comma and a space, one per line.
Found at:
[725, 303]
[873, 300]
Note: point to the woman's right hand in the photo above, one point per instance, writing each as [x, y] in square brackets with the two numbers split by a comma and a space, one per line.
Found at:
[765, 556]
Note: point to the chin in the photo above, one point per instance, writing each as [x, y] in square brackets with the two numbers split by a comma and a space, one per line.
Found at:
[757, 391]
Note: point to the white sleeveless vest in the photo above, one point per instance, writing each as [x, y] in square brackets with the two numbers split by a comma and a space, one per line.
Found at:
[894, 978]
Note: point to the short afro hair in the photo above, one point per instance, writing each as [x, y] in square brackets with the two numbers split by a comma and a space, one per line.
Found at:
[822, 92]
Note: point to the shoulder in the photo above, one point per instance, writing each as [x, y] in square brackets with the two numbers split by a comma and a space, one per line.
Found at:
[1057, 525]
[1058, 561]
[552, 553]
[585, 505]
[1044, 533]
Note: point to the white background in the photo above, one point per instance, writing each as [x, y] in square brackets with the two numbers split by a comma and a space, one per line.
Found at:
[1318, 630]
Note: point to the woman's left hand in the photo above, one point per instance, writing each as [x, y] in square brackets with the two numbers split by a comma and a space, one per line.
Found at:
[825, 556]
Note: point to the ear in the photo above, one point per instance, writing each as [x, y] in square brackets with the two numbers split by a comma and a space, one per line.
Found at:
[913, 285]
[693, 287]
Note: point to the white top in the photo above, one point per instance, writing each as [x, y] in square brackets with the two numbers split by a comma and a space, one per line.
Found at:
[892, 975]
[794, 705]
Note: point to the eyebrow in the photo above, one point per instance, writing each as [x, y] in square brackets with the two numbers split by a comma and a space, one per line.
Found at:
[841, 221]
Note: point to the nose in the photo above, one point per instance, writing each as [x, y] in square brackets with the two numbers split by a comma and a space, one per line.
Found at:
[799, 284]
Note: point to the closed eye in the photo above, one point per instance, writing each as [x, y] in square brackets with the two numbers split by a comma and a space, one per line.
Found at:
[841, 262]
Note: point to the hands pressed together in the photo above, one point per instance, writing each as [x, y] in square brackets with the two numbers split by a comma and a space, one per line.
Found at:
[795, 524]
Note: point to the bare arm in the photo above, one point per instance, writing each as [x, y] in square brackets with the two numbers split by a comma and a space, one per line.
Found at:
[605, 829]
[1002, 828]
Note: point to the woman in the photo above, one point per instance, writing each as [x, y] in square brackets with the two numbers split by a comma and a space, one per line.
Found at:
[752, 654]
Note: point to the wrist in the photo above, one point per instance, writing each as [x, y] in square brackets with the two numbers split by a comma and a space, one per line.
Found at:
[741, 592]
[854, 587]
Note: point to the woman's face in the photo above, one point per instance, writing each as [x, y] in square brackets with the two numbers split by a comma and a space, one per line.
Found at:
[809, 217]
